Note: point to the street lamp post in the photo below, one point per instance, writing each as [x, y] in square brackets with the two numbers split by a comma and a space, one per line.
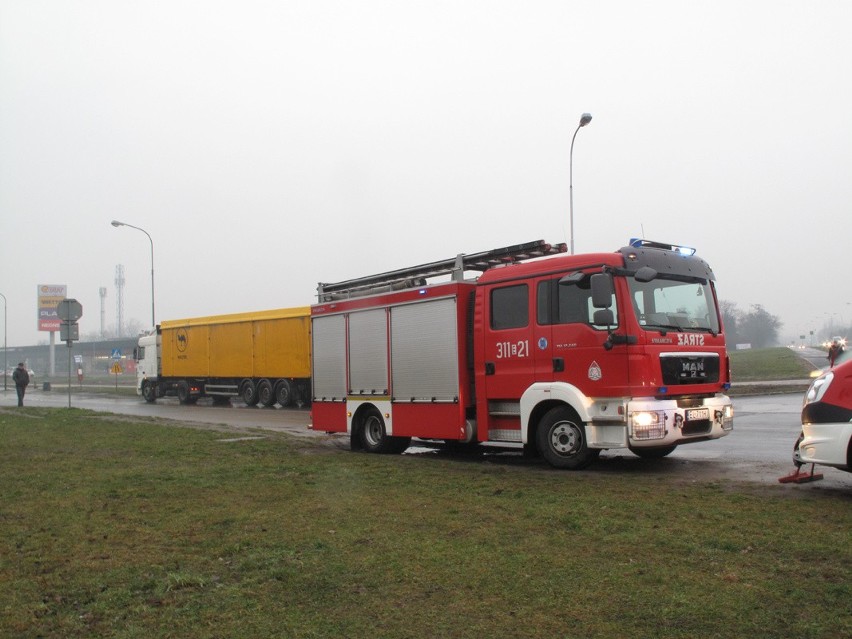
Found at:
[116, 223]
[5, 323]
[584, 120]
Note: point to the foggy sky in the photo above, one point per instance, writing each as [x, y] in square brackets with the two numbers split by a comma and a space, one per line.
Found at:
[270, 145]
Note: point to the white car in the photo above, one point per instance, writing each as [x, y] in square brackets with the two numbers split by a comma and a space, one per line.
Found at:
[827, 420]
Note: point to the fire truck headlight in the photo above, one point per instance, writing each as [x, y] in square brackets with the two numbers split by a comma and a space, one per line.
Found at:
[649, 424]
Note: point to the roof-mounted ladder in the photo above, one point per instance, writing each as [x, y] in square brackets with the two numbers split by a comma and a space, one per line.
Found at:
[454, 266]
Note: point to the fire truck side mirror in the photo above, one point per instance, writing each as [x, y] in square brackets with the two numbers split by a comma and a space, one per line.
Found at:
[604, 317]
[601, 291]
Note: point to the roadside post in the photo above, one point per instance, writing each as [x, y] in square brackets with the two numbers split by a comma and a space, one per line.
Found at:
[69, 311]
[78, 362]
[116, 365]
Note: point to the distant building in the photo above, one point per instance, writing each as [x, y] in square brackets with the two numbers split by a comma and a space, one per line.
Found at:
[96, 357]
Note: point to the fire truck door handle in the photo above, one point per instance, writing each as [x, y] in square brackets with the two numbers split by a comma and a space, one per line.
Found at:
[490, 369]
[558, 365]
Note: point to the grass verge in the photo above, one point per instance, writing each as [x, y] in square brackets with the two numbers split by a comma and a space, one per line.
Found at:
[113, 527]
[760, 364]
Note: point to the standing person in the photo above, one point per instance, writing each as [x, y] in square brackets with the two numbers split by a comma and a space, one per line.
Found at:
[833, 351]
[22, 378]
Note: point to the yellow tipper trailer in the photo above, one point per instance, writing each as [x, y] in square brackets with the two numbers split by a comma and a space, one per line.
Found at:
[263, 357]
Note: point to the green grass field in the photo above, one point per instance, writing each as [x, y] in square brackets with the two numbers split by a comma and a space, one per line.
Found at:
[117, 527]
[760, 364]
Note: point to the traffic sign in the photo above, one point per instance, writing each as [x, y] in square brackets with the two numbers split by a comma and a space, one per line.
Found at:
[116, 353]
[69, 310]
[69, 332]
[116, 368]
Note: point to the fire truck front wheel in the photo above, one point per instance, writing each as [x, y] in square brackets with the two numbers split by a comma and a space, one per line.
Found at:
[374, 437]
[561, 440]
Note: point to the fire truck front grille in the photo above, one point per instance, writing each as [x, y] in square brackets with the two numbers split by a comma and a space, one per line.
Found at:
[689, 369]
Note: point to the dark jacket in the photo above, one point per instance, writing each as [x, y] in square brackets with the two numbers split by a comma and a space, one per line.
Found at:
[21, 376]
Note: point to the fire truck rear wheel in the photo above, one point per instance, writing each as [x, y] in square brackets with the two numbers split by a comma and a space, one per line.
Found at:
[561, 440]
[374, 436]
[264, 393]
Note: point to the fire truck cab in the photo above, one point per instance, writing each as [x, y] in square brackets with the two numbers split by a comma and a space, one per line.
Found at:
[566, 355]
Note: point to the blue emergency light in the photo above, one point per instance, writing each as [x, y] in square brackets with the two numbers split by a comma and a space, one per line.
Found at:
[638, 242]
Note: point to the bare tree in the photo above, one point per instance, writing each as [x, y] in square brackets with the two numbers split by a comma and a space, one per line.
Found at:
[730, 317]
[758, 327]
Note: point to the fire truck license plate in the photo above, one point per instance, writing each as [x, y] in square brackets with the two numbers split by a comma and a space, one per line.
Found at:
[697, 414]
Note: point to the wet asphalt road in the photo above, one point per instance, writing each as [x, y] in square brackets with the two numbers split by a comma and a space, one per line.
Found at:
[758, 450]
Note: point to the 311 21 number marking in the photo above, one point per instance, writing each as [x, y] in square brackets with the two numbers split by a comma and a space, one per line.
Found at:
[505, 350]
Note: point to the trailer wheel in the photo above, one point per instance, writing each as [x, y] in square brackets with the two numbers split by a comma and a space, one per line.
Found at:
[149, 392]
[264, 393]
[657, 452]
[284, 393]
[183, 393]
[248, 391]
[561, 440]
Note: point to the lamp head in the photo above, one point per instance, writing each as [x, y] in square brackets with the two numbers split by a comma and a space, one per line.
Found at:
[117, 223]
[585, 119]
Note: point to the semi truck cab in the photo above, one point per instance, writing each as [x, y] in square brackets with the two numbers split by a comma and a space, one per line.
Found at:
[147, 356]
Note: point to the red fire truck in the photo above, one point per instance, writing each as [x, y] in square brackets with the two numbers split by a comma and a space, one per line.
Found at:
[567, 355]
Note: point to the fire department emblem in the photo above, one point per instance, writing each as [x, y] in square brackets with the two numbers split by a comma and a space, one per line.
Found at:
[595, 372]
[542, 343]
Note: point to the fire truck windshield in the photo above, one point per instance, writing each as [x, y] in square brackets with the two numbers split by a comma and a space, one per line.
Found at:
[674, 305]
